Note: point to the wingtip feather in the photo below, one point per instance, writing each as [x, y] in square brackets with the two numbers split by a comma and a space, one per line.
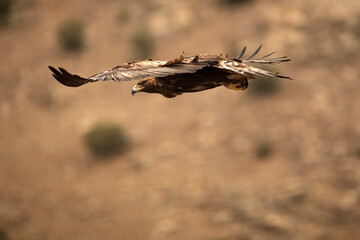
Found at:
[241, 53]
[254, 53]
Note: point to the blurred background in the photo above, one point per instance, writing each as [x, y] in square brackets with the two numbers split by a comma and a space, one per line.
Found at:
[278, 161]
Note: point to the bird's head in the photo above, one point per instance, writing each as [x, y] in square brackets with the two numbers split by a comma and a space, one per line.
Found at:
[145, 85]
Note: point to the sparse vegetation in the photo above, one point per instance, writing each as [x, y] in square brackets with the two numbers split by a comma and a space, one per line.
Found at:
[262, 149]
[5, 10]
[233, 2]
[357, 152]
[106, 139]
[71, 35]
[124, 14]
[357, 28]
[143, 43]
[3, 235]
[264, 86]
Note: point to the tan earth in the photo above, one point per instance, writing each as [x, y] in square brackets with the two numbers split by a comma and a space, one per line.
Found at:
[191, 171]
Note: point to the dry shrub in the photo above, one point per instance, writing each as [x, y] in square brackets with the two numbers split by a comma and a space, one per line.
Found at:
[262, 149]
[233, 2]
[106, 139]
[5, 10]
[357, 152]
[124, 14]
[3, 235]
[143, 43]
[265, 86]
[71, 35]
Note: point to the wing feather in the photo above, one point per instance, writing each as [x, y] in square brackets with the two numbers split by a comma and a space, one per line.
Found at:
[241, 53]
[262, 60]
[134, 71]
[254, 53]
[237, 65]
[68, 79]
[248, 71]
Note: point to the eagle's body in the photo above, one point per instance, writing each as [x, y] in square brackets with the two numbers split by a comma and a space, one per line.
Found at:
[181, 75]
[203, 79]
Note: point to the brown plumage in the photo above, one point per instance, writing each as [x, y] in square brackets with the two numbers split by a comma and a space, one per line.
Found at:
[181, 75]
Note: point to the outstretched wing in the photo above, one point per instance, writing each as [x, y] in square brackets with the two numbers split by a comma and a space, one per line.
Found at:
[142, 69]
[134, 71]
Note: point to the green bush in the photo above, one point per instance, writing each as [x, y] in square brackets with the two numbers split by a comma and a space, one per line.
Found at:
[106, 139]
[5, 9]
[262, 149]
[71, 35]
[265, 86]
[142, 43]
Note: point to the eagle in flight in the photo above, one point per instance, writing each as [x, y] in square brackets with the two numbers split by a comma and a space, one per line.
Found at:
[183, 74]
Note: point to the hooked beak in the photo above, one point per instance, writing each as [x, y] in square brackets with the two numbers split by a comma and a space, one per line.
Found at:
[136, 89]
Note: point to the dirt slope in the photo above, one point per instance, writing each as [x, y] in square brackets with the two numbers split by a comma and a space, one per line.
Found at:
[192, 172]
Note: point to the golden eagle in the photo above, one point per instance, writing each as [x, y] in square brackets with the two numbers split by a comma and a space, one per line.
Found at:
[181, 75]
